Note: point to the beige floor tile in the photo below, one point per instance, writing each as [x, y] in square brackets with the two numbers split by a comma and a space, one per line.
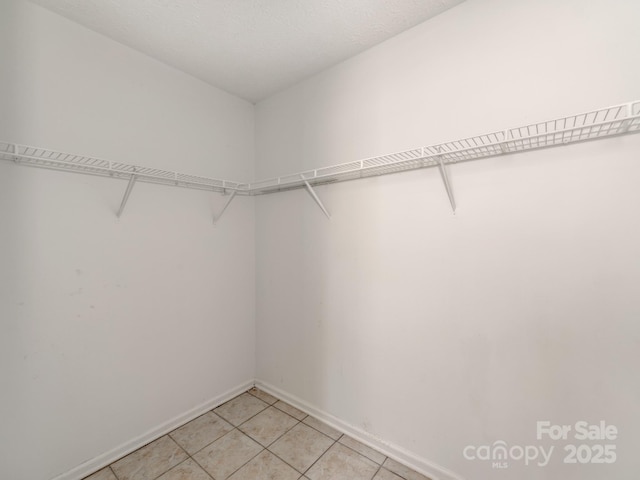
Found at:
[240, 409]
[342, 463]
[384, 474]
[150, 461]
[401, 470]
[104, 474]
[187, 470]
[301, 446]
[362, 449]
[266, 466]
[290, 409]
[262, 395]
[297, 450]
[200, 432]
[322, 427]
[268, 426]
[227, 454]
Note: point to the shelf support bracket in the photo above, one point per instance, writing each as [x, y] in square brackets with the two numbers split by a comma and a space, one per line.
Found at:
[626, 124]
[226, 204]
[447, 185]
[127, 192]
[317, 199]
[503, 146]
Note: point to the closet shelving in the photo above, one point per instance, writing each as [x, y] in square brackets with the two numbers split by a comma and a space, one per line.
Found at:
[605, 122]
[53, 160]
[596, 124]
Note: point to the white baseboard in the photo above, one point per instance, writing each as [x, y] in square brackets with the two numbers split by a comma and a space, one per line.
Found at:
[101, 461]
[421, 465]
[399, 454]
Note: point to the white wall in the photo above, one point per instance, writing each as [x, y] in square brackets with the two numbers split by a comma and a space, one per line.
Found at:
[109, 328]
[435, 331]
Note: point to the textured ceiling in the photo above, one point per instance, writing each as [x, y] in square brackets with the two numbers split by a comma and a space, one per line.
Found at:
[251, 48]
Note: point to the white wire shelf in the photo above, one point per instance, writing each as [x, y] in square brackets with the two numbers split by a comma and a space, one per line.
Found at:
[52, 160]
[605, 122]
[596, 124]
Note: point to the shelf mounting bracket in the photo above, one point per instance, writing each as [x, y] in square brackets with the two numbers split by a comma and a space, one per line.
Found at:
[447, 184]
[316, 199]
[226, 204]
[127, 192]
[503, 146]
[626, 124]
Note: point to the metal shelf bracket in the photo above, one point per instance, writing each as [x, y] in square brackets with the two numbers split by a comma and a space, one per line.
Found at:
[503, 146]
[447, 184]
[626, 124]
[127, 192]
[316, 198]
[226, 204]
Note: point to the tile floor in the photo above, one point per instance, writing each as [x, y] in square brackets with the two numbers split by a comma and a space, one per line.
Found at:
[255, 436]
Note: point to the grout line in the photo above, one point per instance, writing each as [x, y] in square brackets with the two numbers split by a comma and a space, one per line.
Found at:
[167, 434]
[282, 459]
[379, 447]
[274, 441]
[234, 428]
[362, 454]
[263, 448]
[377, 471]
[244, 421]
[301, 419]
[379, 465]
[280, 436]
[189, 457]
[138, 449]
[298, 422]
[245, 463]
[212, 442]
[112, 471]
[323, 454]
[310, 426]
[252, 394]
[287, 463]
[251, 418]
[201, 467]
[204, 469]
[171, 468]
[342, 435]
